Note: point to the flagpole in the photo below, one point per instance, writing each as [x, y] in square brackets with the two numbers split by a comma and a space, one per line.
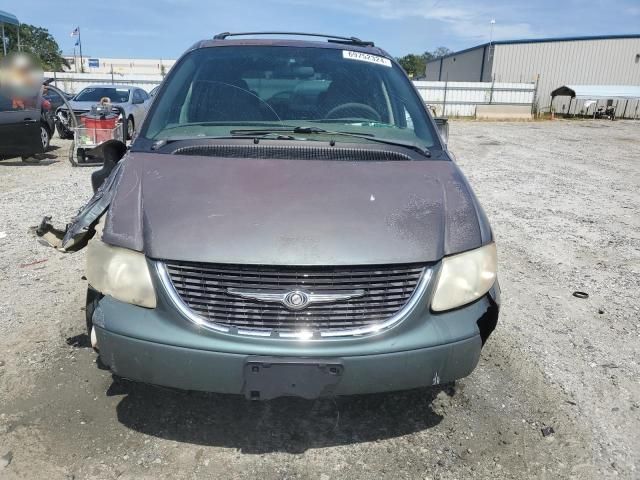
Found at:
[80, 45]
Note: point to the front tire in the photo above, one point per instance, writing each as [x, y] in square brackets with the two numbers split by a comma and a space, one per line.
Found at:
[73, 159]
[63, 133]
[93, 297]
[130, 128]
[45, 137]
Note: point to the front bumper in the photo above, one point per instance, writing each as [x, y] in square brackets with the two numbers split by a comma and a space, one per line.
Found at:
[159, 346]
[192, 369]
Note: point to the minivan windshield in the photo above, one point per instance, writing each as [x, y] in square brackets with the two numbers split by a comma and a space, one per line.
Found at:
[246, 88]
[95, 94]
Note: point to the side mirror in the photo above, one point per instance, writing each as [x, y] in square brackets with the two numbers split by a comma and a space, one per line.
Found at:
[443, 127]
[137, 100]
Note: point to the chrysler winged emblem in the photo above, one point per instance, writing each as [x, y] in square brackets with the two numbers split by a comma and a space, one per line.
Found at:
[295, 299]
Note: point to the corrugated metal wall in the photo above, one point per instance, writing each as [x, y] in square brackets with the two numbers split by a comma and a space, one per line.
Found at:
[614, 61]
[463, 67]
[459, 99]
[603, 62]
[433, 70]
[124, 66]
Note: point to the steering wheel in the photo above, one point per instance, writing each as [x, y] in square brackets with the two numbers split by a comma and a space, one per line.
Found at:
[369, 112]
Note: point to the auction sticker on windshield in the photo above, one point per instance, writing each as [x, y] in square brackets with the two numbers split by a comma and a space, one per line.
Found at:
[366, 57]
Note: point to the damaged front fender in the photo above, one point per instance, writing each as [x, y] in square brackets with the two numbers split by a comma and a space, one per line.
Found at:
[82, 228]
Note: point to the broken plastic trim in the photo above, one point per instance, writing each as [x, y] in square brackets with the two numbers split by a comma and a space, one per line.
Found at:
[82, 227]
[489, 319]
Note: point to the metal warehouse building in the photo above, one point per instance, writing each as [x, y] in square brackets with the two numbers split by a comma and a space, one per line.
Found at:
[551, 62]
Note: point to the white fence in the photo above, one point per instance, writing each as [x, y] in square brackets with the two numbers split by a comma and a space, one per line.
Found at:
[459, 99]
[72, 82]
[453, 99]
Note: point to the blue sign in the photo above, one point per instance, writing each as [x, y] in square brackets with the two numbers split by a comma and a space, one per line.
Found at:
[94, 63]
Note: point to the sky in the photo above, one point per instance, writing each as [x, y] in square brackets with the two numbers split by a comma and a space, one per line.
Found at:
[165, 28]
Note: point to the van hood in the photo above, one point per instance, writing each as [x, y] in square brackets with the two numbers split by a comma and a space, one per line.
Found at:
[293, 212]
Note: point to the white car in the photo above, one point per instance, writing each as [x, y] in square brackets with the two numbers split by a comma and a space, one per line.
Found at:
[135, 102]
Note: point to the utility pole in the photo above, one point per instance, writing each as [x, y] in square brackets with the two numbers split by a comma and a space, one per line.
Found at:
[491, 23]
[80, 45]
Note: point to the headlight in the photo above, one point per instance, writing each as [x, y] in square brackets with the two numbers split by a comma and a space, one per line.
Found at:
[121, 273]
[465, 277]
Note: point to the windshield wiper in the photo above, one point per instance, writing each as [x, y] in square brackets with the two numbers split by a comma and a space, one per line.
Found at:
[281, 134]
[317, 130]
[271, 135]
[307, 130]
[266, 125]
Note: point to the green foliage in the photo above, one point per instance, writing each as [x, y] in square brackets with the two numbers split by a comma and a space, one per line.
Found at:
[441, 52]
[39, 44]
[415, 65]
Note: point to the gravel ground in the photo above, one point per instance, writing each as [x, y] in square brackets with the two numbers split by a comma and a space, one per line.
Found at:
[563, 198]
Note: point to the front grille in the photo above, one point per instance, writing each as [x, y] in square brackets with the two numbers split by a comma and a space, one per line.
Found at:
[78, 113]
[383, 290]
[63, 114]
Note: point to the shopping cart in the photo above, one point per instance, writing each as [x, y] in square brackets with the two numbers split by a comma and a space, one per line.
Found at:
[87, 137]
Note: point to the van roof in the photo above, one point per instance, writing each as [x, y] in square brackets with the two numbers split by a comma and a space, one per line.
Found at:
[281, 42]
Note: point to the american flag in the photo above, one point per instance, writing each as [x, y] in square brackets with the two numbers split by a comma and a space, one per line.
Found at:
[75, 32]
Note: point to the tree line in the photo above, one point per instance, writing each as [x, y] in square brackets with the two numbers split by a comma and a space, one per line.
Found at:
[416, 64]
[36, 42]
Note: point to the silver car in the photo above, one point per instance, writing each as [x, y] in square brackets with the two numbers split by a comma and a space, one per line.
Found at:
[135, 102]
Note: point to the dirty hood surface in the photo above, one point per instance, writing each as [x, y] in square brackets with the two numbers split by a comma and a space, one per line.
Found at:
[293, 212]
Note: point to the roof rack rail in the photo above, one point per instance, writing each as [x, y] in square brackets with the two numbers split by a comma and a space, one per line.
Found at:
[330, 38]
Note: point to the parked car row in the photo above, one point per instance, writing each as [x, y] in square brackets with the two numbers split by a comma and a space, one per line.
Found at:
[55, 99]
[133, 100]
[27, 125]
